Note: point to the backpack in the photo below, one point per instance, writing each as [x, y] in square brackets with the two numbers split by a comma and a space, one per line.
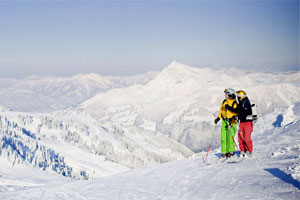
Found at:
[254, 116]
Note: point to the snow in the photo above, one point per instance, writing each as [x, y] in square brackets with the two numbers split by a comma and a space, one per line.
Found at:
[272, 173]
[132, 138]
[79, 147]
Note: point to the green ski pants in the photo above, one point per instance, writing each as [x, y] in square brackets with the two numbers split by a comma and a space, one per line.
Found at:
[227, 143]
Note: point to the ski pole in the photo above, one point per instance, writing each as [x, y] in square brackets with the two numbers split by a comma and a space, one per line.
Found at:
[207, 153]
[209, 145]
[233, 138]
[230, 130]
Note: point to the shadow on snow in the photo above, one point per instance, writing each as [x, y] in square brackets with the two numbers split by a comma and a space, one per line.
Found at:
[284, 177]
[278, 121]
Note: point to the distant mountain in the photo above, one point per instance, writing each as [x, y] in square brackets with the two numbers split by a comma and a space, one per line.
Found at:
[36, 93]
[182, 102]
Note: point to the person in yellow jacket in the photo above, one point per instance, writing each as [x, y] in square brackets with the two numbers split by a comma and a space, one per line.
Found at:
[229, 121]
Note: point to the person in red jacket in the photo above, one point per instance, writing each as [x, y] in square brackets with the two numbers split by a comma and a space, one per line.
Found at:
[246, 125]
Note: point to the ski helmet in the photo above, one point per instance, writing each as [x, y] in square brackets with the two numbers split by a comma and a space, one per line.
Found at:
[241, 94]
[230, 92]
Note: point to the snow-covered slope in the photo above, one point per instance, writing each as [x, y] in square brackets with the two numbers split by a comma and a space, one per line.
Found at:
[181, 102]
[77, 146]
[272, 173]
[51, 93]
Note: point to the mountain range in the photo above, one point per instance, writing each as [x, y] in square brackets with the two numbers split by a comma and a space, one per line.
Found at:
[42, 93]
[89, 126]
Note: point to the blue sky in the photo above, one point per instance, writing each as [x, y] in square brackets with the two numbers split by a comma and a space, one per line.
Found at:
[64, 38]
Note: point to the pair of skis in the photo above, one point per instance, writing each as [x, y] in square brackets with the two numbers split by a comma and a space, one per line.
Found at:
[234, 159]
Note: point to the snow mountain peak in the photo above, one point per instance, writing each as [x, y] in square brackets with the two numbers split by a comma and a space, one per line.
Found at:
[176, 72]
[178, 67]
[177, 64]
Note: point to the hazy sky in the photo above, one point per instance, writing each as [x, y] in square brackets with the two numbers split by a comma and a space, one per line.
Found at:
[64, 38]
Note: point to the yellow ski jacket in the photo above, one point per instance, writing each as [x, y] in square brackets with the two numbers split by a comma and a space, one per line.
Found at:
[225, 113]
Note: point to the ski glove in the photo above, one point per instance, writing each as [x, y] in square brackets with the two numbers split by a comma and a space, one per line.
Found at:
[216, 120]
[227, 107]
[233, 120]
[235, 110]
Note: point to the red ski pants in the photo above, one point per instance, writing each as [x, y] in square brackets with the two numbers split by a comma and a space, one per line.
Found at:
[245, 141]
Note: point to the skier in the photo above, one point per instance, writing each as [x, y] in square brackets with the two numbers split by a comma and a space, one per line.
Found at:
[246, 125]
[229, 121]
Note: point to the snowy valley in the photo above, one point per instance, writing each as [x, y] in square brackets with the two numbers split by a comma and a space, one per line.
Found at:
[111, 129]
